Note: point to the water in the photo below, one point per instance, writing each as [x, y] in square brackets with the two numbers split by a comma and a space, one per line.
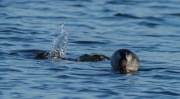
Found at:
[59, 45]
[148, 28]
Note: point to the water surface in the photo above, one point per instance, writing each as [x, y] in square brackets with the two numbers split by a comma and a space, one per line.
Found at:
[148, 28]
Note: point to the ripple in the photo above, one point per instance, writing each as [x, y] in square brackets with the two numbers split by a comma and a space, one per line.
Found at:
[126, 16]
[151, 18]
[127, 2]
[153, 35]
[64, 76]
[174, 14]
[165, 76]
[41, 87]
[56, 69]
[173, 71]
[151, 69]
[89, 42]
[9, 70]
[78, 5]
[148, 24]
[11, 30]
[166, 92]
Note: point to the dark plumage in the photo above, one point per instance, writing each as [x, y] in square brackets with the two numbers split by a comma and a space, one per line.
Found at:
[125, 61]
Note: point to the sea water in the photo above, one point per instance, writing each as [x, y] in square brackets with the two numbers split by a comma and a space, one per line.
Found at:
[59, 45]
[150, 28]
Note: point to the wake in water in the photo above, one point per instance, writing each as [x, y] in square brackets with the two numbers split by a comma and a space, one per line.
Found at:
[122, 60]
[58, 50]
[59, 45]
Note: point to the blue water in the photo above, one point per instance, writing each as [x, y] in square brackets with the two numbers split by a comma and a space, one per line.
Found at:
[150, 28]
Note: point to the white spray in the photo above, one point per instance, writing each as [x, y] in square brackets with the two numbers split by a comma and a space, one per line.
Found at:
[59, 45]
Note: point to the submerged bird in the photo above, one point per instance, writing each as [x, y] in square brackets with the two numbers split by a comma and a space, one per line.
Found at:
[124, 61]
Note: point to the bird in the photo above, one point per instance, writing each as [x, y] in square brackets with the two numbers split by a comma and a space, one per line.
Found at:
[125, 61]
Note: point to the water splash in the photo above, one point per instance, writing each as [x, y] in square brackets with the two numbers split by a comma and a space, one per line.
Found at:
[59, 45]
